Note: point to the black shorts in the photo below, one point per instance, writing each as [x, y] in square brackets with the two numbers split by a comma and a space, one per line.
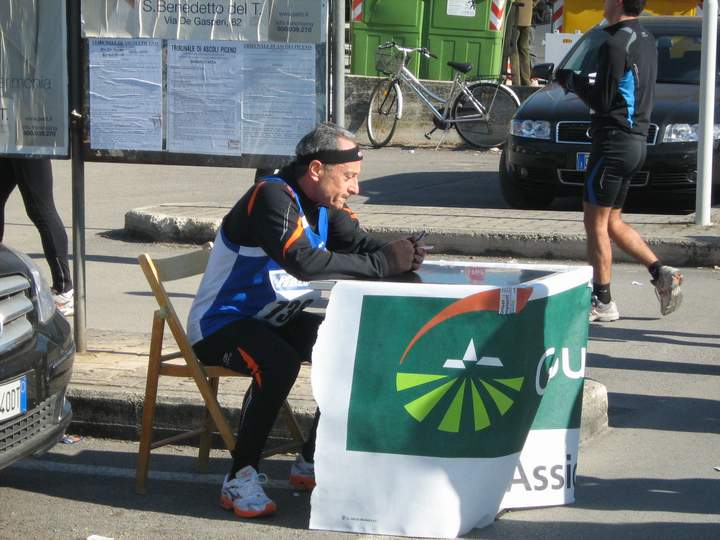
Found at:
[265, 349]
[616, 157]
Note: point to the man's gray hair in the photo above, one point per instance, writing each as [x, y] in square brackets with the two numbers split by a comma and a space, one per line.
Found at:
[323, 137]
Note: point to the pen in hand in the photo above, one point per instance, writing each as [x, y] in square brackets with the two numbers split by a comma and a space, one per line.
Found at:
[420, 236]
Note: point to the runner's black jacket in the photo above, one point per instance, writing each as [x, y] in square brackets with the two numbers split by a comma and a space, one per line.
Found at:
[624, 90]
[267, 215]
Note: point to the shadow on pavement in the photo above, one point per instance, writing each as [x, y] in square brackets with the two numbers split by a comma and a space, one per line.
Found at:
[504, 528]
[680, 495]
[95, 258]
[681, 414]
[658, 366]
[170, 294]
[112, 487]
[447, 189]
[435, 188]
[666, 337]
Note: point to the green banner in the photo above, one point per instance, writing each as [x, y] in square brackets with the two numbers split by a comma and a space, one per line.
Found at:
[465, 384]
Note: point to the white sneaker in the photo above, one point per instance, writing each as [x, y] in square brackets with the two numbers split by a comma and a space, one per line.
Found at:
[302, 474]
[65, 303]
[603, 312]
[667, 289]
[245, 496]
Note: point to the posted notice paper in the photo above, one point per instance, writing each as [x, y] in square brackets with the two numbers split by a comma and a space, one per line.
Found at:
[125, 94]
[230, 98]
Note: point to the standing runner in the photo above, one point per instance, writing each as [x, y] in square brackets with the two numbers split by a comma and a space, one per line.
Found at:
[620, 100]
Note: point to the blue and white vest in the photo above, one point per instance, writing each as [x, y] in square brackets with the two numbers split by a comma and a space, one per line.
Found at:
[242, 282]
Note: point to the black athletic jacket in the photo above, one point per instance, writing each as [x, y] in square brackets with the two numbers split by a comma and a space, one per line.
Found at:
[624, 90]
[266, 216]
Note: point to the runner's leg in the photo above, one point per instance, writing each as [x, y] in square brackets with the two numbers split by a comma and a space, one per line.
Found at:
[36, 186]
[7, 184]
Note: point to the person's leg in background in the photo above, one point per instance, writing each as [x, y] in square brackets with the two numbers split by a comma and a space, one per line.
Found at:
[515, 58]
[301, 333]
[523, 51]
[7, 184]
[35, 181]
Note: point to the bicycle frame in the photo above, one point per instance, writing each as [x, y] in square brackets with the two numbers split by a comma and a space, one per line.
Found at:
[427, 97]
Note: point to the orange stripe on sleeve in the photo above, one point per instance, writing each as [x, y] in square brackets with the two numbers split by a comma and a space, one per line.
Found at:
[254, 196]
[252, 366]
[297, 233]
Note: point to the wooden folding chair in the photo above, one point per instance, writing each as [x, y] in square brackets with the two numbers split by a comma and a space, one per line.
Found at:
[206, 378]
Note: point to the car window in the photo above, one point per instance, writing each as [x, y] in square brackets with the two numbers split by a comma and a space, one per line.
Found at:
[583, 59]
[678, 56]
[679, 59]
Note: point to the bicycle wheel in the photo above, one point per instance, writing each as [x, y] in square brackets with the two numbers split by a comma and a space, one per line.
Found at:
[382, 115]
[491, 129]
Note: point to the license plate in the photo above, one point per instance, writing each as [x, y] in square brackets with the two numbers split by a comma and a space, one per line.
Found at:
[581, 161]
[13, 398]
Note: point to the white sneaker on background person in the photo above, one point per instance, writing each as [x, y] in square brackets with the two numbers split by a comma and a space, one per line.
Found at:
[302, 474]
[667, 289]
[65, 302]
[603, 312]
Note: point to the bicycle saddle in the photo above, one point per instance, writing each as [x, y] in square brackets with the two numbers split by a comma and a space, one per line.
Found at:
[461, 67]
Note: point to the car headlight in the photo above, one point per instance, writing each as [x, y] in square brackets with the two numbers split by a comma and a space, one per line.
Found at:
[46, 304]
[533, 129]
[686, 133]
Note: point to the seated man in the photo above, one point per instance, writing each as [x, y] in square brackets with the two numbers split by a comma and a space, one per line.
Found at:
[248, 312]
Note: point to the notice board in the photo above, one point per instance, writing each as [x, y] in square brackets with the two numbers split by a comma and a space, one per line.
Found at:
[224, 82]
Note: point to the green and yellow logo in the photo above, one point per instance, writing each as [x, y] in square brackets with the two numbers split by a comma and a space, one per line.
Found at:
[445, 377]
[470, 374]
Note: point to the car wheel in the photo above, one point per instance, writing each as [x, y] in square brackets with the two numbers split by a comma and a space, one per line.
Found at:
[520, 196]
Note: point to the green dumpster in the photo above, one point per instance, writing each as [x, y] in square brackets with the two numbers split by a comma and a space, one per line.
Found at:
[460, 31]
[400, 21]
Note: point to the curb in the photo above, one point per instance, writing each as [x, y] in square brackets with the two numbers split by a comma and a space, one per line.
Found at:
[151, 223]
[118, 415]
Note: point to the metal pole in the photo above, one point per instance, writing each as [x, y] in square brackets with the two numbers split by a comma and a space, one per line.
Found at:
[78, 176]
[706, 126]
[338, 63]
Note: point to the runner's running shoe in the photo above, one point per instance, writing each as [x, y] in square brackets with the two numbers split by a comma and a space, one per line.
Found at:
[65, 302]
[603, 312]
[245, 496]
[667, 289]
[302, 474]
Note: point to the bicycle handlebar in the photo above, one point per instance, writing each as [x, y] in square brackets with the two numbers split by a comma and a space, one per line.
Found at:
[422, 50]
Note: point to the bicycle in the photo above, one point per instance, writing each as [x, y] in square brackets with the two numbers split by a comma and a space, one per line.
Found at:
[480, 111]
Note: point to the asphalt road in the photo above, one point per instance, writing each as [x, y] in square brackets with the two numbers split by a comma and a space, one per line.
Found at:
[650, 476]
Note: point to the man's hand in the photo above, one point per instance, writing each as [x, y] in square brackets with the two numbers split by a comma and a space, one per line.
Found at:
[419, 251]
[564, 78]
[400, 255]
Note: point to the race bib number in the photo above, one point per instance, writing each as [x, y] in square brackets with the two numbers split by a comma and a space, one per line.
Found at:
[291, 297]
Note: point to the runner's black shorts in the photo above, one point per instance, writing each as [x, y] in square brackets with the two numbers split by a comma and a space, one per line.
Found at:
[258, 349]
[616, 157]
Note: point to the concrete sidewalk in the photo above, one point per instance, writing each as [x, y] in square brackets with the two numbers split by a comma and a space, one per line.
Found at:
[465, 231]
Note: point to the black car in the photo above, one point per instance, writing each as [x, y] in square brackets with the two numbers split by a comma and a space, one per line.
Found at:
[36, 358]
[548, 145]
